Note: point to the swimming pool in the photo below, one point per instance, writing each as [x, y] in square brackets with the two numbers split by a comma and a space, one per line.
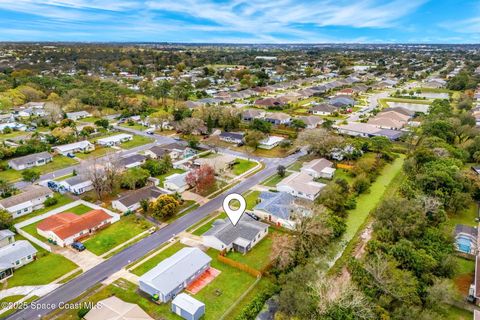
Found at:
[464, 244]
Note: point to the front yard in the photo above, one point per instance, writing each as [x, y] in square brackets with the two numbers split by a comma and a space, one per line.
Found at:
[98, 152]
[59, 162]
[156, 259]
[117, 233]
[241, 166]
[136, 142]
[273, 180]
[47, 268]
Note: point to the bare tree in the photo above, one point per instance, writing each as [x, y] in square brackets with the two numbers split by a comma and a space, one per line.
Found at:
[104, 174]
[53, 112]
[281, 252]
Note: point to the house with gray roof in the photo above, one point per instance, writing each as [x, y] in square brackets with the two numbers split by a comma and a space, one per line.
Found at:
[32, 198]
[188, 307]
[132, 161]
[242, 237]
[174, 273]
[279, 208]
[176, 182]
[342, 101]
[77, 184]
[6, 237]
[30, 161]
[131, 200]
[78, 115]
[15, 255]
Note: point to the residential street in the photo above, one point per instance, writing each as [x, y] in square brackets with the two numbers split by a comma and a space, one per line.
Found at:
[77, 286]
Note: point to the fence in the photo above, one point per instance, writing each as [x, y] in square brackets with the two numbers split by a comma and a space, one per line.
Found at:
[34, 240]
[344, 166]
[240, 266]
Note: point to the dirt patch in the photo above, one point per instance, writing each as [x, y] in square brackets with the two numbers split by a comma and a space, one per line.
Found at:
[463, 282]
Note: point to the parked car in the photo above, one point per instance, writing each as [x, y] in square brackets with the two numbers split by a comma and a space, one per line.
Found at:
[78, 246]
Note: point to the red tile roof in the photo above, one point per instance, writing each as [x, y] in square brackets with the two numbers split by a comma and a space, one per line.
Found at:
[67, 224]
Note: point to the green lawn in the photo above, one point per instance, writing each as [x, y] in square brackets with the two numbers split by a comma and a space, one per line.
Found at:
[153, 261]
[466, 216]
[135, 142]
[80, 209]
[273, 180]
[98, 152]
[251, 199]
[138, 127]
[242, 166]
[12, 298]
[162, 177]
[225, 290]
[114, 235]
[14, 134]
[263, 285]
[259, 256]
[65, 177]
[48, 267]
[454, 313]
[296, 166]
[59, 162]
[204, 228]
[62, 200]
[89, 119]
[367, 202]
[342, 174]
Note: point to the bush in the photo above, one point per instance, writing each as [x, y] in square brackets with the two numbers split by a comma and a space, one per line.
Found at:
[361, 184]
[251, 310]
[82, 312]
[50, 202]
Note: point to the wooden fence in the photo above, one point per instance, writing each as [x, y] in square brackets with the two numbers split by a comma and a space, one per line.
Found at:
[239, 265]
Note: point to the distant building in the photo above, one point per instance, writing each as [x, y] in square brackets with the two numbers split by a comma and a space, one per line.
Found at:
[115, 140]
[232, 137]
[132, 161]
[131, 200]
[270, 142]
[30, 161]
[176, 182]
[278, 118]
[175, 273]
[81, 146]
[323, 109]
[77, 184]
[301, 185]
[319, 168]
[77, 115]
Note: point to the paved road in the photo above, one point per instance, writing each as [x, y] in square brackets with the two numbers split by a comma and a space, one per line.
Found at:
[77, 286]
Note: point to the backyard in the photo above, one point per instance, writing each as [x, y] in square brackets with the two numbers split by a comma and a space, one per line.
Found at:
[116, 234]
[61, 201]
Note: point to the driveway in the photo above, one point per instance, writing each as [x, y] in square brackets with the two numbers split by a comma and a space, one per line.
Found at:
[85, 259]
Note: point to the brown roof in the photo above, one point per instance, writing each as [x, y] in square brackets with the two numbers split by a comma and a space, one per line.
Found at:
[67, 224]
[145, 193]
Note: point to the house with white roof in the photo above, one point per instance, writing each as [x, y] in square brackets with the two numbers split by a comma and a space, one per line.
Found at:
[14, 255]
[32, 198]
[174, 274]
[71, 148]
[77, 184]
[115, 140]
[270, 142]
[31, 160]
[176, 182]
[78, 115]
[319, 168]
[301, 185]
[187, 307]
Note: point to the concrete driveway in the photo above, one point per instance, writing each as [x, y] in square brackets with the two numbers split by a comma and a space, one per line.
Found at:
[85, 259]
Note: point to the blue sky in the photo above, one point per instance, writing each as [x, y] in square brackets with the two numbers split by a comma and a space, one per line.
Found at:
[242, 21]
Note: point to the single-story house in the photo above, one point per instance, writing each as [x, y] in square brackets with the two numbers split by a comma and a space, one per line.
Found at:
[301, 185]
[386, 123]
[187, 307]
[71, 148]
[323, 109]
[270, 142]
[13, 125]
[319, 168]
[14, 255]
[6, 117]
[77, 184]
[251, 114]
[278, 118]
[115, 140]
[112, 308]
[157, 152]
[32, 198]
[390, 134]
[176, 182]
[31, 160]
[242, 237]
[219, 163]
[311, 122]
[174, 274]
[65, 228]
[131, 200]
[278, 208]
[178, 151]
[132, 161]
[466, 239]
[358, 129]
[232, 137]
[342, 101]
[6, 237]
[78, 115]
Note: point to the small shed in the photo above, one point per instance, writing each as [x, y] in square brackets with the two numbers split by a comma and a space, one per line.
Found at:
[188, 307]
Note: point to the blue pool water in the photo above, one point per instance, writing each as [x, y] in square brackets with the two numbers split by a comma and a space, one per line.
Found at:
[464, 244]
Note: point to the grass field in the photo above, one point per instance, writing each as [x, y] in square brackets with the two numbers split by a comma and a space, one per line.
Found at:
[45, 269]
[14, 134]
[454, 313]
[466, 216]
[251, 199]
[296, 166]
[135, 142]
[59, 162]
[89, 119]
[80, 209]
[273, 180]
[153, 261]
[242, 166]
[114, 235]
[204, 228]
[367, 202]
[61, 201]
[98, 152]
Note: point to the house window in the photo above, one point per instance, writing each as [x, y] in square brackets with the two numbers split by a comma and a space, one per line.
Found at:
[25, 210]
[29, 257]
[17, 262]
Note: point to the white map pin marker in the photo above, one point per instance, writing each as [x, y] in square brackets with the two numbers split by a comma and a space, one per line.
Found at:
[234, 214]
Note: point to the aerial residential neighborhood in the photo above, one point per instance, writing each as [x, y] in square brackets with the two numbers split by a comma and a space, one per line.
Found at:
[209, 160]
